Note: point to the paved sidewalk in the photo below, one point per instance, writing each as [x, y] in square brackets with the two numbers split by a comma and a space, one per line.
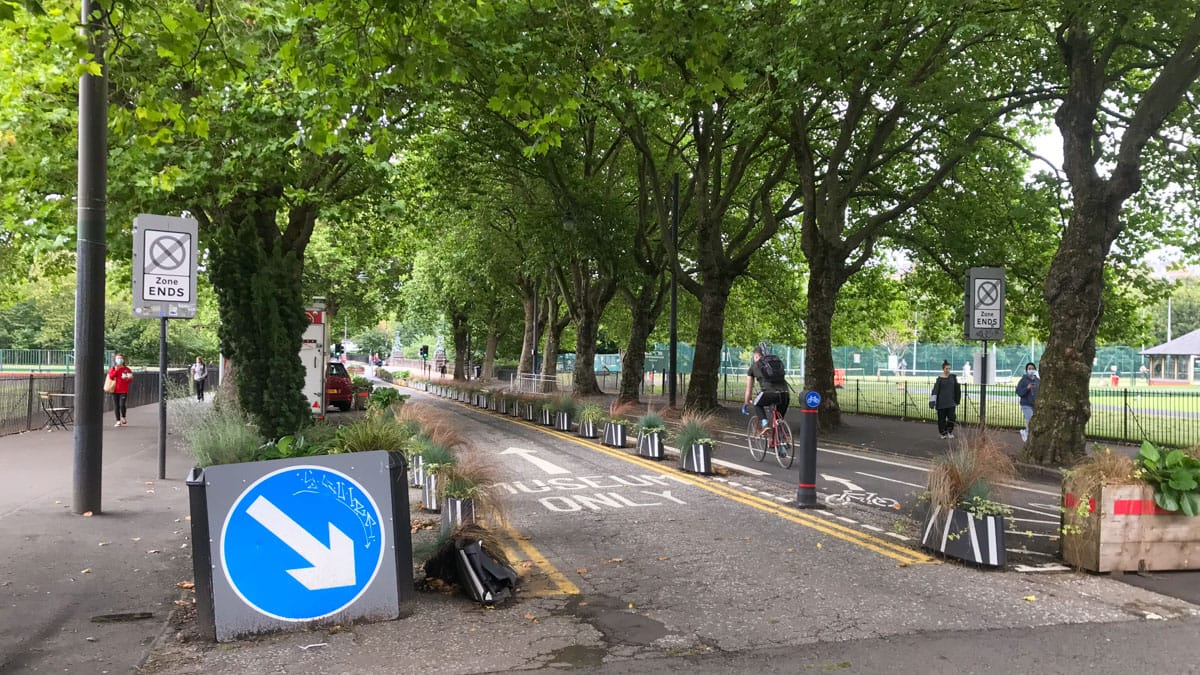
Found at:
[89, 594]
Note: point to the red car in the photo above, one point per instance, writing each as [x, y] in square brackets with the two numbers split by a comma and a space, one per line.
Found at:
[338, 390]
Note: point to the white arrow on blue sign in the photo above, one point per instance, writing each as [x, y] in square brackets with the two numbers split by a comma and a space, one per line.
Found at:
[302, 543]
[813, 399]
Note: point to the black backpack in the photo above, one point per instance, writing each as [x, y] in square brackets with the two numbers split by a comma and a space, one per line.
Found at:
[771, 367]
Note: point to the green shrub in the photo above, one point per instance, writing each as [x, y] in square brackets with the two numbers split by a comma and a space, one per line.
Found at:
[651, 422]
[383, 397]
[404, 375]
[223, 436]
[373, 433]
[359, 384]
[590, 412]
[383, 374]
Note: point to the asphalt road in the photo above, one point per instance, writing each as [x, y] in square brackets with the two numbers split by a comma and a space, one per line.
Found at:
[630, 565]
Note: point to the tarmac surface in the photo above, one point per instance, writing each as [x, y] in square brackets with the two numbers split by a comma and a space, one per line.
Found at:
[701, 578]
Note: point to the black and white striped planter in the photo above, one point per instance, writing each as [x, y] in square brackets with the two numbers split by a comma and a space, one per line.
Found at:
[958, 534]
[562, 421]
[457, 512]
[430, 499]
[697, 458]
[650, 445]
[500, 405]
[416, 472]
[531, 413]
[546, 417]
[614, 434]
[587, 429]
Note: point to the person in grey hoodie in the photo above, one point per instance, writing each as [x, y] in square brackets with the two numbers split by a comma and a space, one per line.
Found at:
[1027, 390]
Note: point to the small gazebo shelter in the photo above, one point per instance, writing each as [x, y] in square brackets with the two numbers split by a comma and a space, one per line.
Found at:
[1174, 362]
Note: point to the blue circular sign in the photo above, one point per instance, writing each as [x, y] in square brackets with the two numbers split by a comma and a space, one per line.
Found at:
[813, 399]
[302, 543]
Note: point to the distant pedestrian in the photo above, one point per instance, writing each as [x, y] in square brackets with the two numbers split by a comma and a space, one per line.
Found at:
[945, 397]
[121, 376]
[199, 377]
[903, 367]
[1027, 390]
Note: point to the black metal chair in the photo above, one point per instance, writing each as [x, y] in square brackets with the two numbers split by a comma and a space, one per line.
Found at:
[58, 416]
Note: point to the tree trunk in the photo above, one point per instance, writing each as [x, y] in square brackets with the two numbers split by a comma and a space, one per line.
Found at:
[585, 356]
[554, 329]
[458, 324]
[525, 365]
[1074, 287]
[644, 309]
[710, 336]
[823, 287]
[489, 353]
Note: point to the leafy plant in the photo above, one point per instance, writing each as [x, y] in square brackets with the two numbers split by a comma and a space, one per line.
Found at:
[383, 374]
[384, 397]
[436, 458]
[590, 412]
[359, 384]
[373, 433]
[404, 375]
[694, 429]
[1174, 475]
[224, 436]
[651, 422]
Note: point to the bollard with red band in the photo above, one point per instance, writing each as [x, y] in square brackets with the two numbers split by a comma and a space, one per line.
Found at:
[806, 493]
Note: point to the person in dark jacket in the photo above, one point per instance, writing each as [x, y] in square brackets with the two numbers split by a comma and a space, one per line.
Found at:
[946, 395]
[1027, 390]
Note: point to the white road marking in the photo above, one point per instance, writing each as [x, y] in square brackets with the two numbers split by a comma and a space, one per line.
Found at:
[890, 480]
[844, 519]
[850, 486]
[896, 535]
[528, 455]
[872, 528]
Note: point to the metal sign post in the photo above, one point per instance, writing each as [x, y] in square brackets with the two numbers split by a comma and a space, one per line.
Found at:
[806, 491]
[164, 287]
[984, 320]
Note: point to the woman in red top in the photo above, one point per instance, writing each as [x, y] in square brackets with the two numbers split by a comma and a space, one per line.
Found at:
[122, 376]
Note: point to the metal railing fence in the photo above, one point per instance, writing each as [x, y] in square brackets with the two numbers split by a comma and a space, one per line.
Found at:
[20, 409]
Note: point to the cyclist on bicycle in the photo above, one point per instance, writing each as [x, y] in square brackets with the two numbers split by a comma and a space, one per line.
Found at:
[772, 383]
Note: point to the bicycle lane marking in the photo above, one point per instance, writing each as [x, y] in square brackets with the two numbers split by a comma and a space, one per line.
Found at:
[850, 535]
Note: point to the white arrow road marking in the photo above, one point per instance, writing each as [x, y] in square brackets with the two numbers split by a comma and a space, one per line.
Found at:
[834, 479]
[332, 566]
[540, 463]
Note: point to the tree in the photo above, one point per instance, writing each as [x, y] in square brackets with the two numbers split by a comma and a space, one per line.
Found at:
[1127, 72]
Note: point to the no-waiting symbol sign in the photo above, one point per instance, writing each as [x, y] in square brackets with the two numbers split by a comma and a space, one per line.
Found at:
[164, 275]
[984, 312]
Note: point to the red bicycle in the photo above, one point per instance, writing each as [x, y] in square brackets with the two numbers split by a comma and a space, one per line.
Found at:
[775, 437]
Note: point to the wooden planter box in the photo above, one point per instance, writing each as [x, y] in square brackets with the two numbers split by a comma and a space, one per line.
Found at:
[457, 512]
[958, 534]
[587, 429]
[1125, 531]
[696, 459]
[562, 421]
[650, 445]
[614, 434]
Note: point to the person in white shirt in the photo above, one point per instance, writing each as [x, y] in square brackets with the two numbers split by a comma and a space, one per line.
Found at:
[199, 376]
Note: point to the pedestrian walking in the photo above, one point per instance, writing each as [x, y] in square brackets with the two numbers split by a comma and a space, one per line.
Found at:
[1027, 390]
[945, 397]
[117, 383]
[199, 377]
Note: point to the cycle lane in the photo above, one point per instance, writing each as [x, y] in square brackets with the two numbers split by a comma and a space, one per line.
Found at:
[666, 560]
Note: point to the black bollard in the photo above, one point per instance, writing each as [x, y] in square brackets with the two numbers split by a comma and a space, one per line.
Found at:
[806, 493]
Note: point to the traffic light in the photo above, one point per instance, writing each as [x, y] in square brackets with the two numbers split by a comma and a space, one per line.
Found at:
[424, 351]
[338, 350]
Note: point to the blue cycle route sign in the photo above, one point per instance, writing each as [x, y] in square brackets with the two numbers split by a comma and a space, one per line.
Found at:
[812, 399]
[302, 543]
